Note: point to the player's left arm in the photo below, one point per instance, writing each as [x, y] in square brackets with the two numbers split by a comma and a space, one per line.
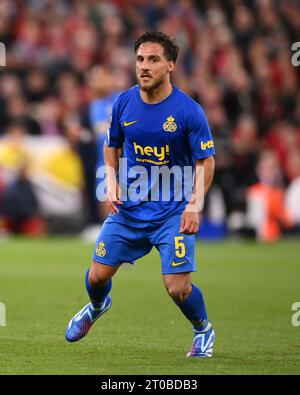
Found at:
[204, 174]
[202, 148]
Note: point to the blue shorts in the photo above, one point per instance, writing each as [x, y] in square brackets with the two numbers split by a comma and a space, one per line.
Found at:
[120, 241]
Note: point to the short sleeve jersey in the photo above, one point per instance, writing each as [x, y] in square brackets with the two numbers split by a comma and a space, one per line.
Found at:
[157, 140]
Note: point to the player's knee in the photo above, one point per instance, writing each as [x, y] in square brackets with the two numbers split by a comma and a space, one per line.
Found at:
[98, 278]
[178, 293]
[100, 274]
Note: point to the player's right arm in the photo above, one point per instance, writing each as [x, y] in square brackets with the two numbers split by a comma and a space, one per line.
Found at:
[112, 150]
[111, 158]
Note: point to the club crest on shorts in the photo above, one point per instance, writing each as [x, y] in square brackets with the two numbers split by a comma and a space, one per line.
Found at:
[170, 125]
[100, 250]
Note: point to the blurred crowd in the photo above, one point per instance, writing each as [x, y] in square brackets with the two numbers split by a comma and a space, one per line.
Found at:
[66, 61]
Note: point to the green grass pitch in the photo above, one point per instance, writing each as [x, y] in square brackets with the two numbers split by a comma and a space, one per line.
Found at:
[249, 290]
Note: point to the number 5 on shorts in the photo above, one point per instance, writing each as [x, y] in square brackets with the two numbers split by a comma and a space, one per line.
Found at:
[179, 246]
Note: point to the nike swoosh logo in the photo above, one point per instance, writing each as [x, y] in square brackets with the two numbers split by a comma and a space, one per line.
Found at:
[129, 123]
[174, 264]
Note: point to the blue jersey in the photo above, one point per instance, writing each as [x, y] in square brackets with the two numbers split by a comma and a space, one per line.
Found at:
[170, 134]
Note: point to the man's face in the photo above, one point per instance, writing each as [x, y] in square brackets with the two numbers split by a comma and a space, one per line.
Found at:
[101, 81]
[152, 66]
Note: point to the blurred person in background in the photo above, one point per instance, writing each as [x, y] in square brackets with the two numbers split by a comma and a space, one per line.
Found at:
[292, 195]
[266, 208]
[246, 147]
[49, 115]
[20, 207]
[17, 110]
[283, 138]
[10, 87]
[12, 150]
[101, 82]
[18, 203]
[82, 142]
[36, 85]
[76, 128]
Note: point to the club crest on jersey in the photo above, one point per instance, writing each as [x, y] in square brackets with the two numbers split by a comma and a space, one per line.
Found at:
[100, 250]
[170, 125]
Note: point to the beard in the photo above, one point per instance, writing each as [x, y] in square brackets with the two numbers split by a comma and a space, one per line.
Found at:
[150, 87]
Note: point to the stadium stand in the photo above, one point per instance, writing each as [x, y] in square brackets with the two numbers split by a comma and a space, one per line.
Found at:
[235, 60]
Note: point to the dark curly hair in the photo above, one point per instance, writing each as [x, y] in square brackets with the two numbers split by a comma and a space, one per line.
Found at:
[170, 47]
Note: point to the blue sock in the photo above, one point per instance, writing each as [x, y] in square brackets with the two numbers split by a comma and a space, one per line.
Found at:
[194, 309]
[97, 295]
